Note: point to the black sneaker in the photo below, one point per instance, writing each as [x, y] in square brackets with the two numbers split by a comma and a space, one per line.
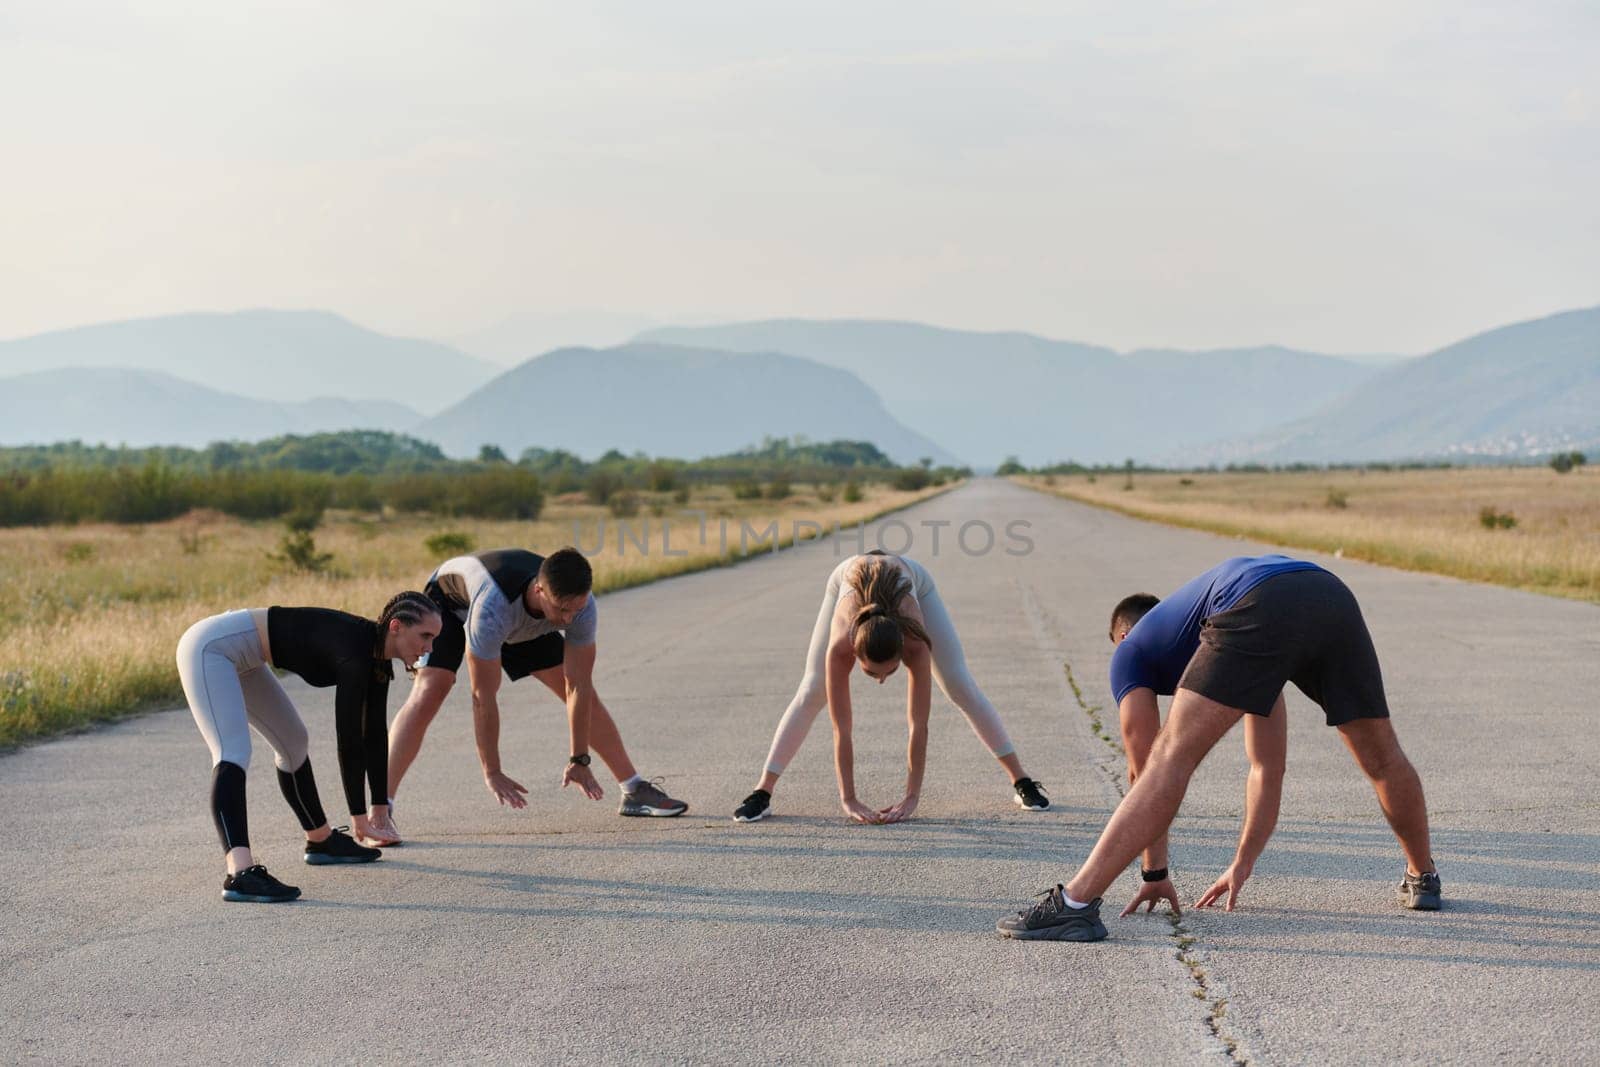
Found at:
[756, 806]
[1421, 892]
[649, 799]
[1030, 795]
[1052, 920]
[254, 885]
[339, 847]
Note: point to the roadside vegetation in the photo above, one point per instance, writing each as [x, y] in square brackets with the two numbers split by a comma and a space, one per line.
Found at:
[90, 612]
[1530, 527]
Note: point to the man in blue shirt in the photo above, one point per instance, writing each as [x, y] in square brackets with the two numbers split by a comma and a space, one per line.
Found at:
[1224, 645]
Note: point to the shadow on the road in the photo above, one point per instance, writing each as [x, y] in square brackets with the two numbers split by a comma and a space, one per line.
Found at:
[563, 897]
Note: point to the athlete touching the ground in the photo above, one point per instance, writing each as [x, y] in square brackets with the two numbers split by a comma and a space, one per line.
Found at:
[225, 663]
[1262, 622]
[879, 611]
[514, 611]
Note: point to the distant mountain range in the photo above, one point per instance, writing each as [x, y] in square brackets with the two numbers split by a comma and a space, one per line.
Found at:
[1527, 389]
[113, 405]
[271, 355]
[912, 390]
[669, 400]
[987, 395]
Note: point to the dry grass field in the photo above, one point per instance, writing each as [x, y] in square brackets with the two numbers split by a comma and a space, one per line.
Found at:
[90, 615]
[1525, 527]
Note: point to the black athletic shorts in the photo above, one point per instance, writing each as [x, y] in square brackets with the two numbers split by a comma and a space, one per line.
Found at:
[1303, 627]
[518, 659]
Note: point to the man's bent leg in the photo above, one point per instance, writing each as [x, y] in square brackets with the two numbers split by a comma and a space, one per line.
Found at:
[432, 685]
[604, 740]
[1193, 727]
[1377, 750]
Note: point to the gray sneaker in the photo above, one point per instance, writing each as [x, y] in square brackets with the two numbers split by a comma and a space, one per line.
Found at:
[1421, 892]
[650, 799]
[1052, 920]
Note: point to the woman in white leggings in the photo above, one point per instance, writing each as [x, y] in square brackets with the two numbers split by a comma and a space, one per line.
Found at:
[879, 611]
[226, 662]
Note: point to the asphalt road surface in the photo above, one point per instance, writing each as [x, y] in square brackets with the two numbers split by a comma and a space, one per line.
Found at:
[563, 932]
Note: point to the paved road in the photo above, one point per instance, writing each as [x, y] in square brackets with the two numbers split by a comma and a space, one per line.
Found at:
[564, 932]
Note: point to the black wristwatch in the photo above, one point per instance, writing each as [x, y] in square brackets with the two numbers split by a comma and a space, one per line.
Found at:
[1157, 875]
[581, 761]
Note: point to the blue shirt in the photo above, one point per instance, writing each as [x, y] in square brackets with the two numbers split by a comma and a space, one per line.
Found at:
[1158, 648]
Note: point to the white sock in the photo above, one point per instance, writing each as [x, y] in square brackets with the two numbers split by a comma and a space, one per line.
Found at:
[1073, 903]
[632, 783]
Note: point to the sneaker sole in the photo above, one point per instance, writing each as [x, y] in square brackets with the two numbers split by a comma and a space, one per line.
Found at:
[1072, 932]
[236, 897]
[1025, 806]
[317, 859]
[645, 811]
[1421, 902]
[762, 814]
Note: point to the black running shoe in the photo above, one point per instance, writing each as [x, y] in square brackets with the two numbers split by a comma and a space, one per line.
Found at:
[1052, 920]
[756, 806]
[1421, 892]
[254, 885]
[339, 847]
[1030, 795]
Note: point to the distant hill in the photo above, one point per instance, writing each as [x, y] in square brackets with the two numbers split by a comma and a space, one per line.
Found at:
[1522, 390]
[138, 408]
[668, 400]
[987, 395]
[270, 355]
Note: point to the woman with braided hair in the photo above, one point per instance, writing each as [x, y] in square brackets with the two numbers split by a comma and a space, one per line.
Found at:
[225, 663]
[880, 611]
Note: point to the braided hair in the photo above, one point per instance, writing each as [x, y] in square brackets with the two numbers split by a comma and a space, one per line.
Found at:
[877, 632]
[410, 607]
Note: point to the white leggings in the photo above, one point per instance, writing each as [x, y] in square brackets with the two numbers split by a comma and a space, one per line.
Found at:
[949, 671]
[231, 688]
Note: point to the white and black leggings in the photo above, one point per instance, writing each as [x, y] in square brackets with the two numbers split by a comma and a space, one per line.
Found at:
[231, 688]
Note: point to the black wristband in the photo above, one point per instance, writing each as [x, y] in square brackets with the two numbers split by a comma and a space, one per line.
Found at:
[1159, 875]
[580, 761]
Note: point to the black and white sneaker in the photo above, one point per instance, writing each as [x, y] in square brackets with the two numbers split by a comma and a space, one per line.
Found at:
[339, 847]
[254, 885]
[1030, 795]
[1053, 920]
[650, 799]
[1421, 892]
[756, 806]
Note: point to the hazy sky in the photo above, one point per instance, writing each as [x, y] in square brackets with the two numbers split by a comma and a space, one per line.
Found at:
[1350, 176]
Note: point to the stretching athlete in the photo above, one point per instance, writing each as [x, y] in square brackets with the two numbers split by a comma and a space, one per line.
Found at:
[879, 611]
[1257, 623]
[225, 663]
[515, 611]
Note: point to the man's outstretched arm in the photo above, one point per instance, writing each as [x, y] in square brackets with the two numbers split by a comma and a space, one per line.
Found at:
[1266, 742]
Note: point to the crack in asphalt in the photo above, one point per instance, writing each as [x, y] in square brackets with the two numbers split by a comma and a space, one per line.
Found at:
[1184, 940]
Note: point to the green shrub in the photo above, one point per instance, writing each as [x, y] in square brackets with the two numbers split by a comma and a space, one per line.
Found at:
[826, 493]
[1493, 519]
[1562, 462]
[911, 479]
[747, 489]
[1337, 500]
[852, 492]
[298, 549]
[78, 552]
[448, 544]
[680, 495]
[624, 505]
[778, 489]
[1011, 466]
[601, 484]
